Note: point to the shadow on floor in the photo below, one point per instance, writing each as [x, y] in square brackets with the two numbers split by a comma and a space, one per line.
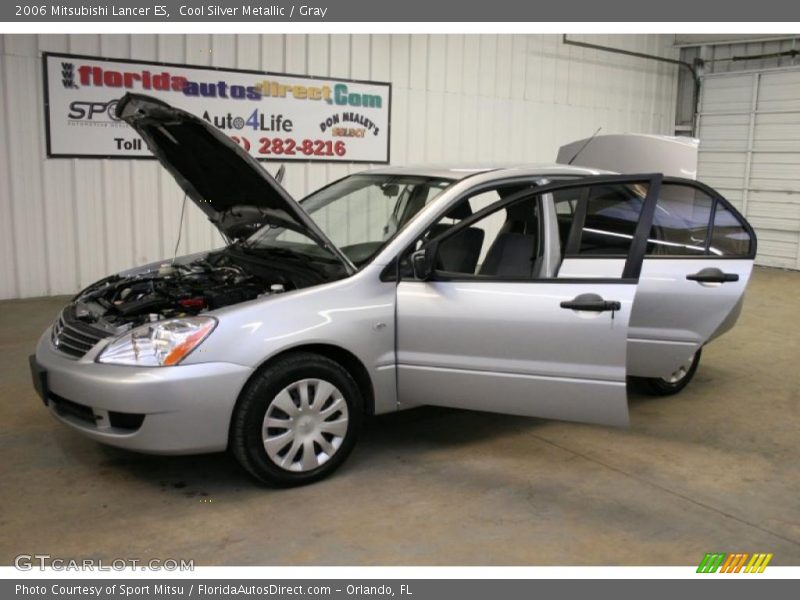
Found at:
[424, 428]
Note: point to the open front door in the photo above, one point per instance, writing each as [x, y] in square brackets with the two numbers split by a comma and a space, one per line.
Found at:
[488, 326]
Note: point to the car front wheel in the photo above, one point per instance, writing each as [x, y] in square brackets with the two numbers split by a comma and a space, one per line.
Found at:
[666, 386]
[297, 420]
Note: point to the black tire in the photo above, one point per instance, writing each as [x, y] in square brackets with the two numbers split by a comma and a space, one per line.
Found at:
[261, 392]
[656, 386]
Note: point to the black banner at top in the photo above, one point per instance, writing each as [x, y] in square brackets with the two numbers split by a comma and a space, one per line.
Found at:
[316, 11]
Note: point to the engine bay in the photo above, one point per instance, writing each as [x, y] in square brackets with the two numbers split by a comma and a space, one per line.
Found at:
[177, 289]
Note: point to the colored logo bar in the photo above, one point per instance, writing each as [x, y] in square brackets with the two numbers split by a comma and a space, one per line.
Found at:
[736, 562]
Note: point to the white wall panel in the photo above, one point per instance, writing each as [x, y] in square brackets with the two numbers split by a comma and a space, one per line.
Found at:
[455, 98]
[749, 129]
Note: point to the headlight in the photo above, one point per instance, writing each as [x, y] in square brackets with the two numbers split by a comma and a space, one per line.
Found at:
[158, 344]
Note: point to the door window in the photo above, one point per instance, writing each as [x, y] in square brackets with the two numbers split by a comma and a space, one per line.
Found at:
[680, 223]
[504, 243]
[507, 241]
[612, 214]
[475, 250]
[729, 236]
[600, 220]
[680, 226]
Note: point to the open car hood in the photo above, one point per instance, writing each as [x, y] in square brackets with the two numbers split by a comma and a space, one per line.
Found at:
[224, 181]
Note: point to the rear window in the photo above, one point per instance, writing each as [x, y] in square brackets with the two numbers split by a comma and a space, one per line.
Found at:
[729, 237]
[681, 225]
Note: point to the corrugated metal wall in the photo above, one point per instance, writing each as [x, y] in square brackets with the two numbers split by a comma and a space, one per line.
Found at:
[717, 58]
[749, 128]
[456, 98]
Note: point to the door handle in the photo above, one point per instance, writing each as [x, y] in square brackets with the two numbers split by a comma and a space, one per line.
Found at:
[591, 303]
[712, 275]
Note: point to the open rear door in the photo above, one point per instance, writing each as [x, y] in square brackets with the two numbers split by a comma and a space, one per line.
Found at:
[697, 261]
[696, 267]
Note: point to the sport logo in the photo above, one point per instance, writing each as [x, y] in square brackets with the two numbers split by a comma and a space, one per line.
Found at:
[80, 110]
[720, 562]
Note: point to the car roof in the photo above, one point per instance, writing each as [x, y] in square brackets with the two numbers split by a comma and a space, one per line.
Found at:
[458, 172]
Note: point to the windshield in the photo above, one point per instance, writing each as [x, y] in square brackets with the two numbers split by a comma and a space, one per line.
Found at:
[359, 214]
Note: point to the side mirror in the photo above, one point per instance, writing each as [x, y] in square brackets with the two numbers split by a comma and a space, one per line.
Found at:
[422, 263]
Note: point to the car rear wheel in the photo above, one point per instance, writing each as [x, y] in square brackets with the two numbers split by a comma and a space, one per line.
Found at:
[666, 386]
[297, 420]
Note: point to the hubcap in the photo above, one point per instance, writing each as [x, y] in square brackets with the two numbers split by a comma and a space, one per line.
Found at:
[305, 424]
[681, 372]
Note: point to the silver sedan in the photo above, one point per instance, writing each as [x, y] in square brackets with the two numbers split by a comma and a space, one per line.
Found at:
[535, 291]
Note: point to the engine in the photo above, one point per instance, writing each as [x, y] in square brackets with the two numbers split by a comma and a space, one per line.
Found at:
[174, 290]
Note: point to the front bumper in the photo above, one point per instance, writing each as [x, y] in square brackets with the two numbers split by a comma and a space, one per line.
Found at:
[184, 409]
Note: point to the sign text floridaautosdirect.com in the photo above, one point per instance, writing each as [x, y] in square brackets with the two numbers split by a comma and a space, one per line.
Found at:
[272, 116]
[242, 11]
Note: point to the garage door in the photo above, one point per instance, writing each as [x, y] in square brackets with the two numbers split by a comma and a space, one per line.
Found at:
[749, 130]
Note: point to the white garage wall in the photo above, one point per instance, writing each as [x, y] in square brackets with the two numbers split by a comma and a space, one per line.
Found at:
[749, 126]
[462, 98]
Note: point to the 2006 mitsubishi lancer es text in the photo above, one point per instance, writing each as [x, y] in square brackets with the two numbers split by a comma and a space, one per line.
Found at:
[530, 291]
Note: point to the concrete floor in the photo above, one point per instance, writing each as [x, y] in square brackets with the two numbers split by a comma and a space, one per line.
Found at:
[715, 468]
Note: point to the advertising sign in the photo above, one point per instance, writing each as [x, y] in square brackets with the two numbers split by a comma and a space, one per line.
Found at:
[274, 116]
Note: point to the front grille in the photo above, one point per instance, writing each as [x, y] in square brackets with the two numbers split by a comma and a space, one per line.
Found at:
[73, 337]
